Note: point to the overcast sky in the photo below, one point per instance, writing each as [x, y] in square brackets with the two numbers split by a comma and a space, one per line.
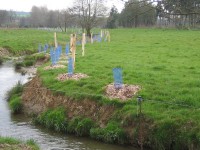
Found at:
[26, 5]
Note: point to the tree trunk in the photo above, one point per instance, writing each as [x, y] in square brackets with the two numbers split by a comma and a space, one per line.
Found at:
[88, 31]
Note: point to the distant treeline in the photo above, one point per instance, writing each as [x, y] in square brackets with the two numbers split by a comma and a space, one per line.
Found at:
[136, 13]
[173, 13]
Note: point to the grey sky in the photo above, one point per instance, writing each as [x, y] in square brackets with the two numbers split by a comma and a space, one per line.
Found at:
[26, 5]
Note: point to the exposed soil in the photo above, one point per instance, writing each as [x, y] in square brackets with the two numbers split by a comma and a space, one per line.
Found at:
[14, 147]
[124, 93]
[37, 99]
[54, 67]
[4, 52]
[75, 76]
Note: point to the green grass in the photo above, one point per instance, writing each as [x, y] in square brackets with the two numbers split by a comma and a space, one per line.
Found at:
[14, 98]
[165, 63]
[11, 144]
[30, 60]
[112, 133]
[53, 119]
[20, 41]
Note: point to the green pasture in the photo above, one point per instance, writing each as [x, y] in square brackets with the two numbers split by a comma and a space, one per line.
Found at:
[26, 41]
[164, 62]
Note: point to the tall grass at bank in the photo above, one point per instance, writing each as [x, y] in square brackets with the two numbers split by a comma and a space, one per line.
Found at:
[30, 60]
[80, 126]
[11, 143]
[14, 98]
[1, 61]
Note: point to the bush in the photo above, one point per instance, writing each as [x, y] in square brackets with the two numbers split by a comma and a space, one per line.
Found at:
[112, 133]
[84, 126]
[15, 104]
[55, 119]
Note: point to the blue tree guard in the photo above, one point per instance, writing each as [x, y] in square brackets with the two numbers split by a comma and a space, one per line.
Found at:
[46, 46]
[57, 54]
[70, 67]
[52, 54]
[117, 74]
[99, 38]
[67, 49]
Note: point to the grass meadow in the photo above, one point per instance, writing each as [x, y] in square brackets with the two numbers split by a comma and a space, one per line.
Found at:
[164, 62]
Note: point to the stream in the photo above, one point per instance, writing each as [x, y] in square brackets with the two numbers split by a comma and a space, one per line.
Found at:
[20, 127]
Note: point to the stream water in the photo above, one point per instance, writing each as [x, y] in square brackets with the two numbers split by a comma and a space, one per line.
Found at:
[20, 127]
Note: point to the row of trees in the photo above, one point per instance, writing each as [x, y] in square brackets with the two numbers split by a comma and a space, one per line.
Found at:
[7, 18]
[93, 13]
[179, 13]
[84, 13]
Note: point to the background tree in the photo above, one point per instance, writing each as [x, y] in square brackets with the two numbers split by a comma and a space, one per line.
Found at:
[112, 21]
[88, 12]
[138, 13]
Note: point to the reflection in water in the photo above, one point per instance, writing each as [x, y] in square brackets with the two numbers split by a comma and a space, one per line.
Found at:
[20, 127]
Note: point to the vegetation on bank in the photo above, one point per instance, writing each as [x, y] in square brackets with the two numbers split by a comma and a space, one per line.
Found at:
[165, 63]
[14, 98]
[1, 60]
[30, 60]
[58, 120]
[14, 144]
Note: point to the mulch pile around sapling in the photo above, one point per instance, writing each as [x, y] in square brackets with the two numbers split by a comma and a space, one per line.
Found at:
[75, 76]
[124, 93]
[54, 67]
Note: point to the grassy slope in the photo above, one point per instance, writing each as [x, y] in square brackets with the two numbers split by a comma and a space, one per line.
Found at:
[164, 62]
[18, 40]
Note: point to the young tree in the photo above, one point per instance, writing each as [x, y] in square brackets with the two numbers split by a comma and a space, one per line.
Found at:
[88, 12]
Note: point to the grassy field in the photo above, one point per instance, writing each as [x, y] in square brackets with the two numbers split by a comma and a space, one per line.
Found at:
[165, 63]
[18, 41]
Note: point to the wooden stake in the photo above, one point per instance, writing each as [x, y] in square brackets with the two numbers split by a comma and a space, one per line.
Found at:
[74, 49]
[71, 42]
[101, 33]
[55, 40]
[83, 44]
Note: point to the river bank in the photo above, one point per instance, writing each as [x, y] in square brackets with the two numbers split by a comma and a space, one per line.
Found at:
[14, 144]
[21, 127]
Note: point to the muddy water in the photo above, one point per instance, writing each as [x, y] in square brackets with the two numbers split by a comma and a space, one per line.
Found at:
[18, 126]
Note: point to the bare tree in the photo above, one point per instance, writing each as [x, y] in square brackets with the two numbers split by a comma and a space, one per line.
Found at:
[88, 12]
